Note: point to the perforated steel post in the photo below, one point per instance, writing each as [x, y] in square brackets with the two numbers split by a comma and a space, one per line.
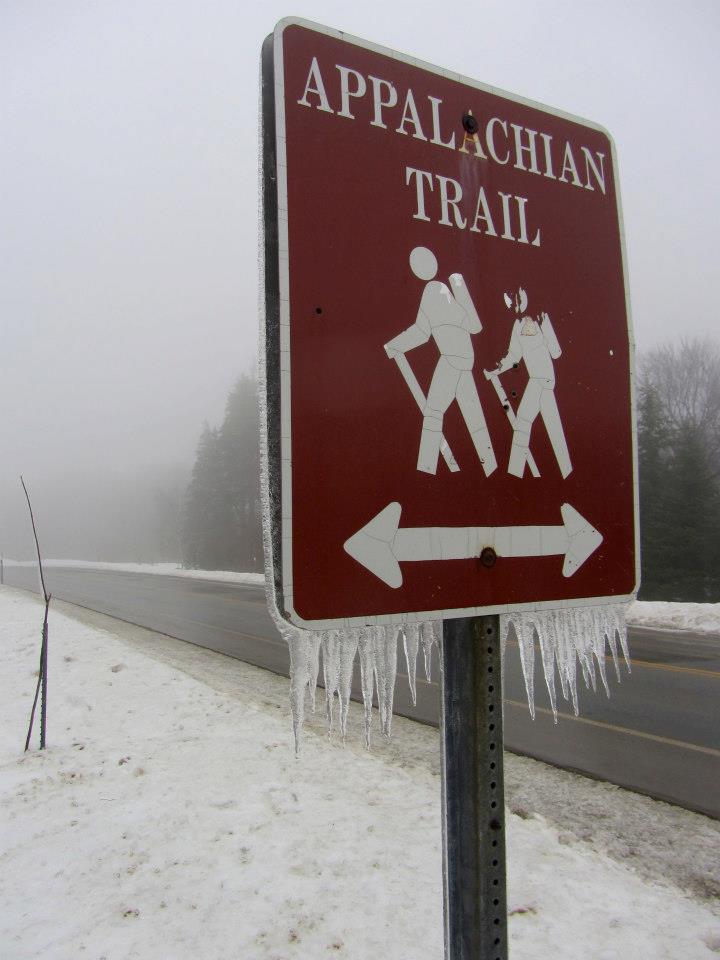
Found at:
[473, 792]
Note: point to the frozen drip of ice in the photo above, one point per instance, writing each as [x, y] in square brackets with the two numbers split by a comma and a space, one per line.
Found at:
[524, 630]
[367, 677]
[299, 646]
[547, 653]
[567, 639]
[330, 642]
[411, 642]
[346, 661]
[430, 632]
[385, 651]
[376, 651]
[313, 667]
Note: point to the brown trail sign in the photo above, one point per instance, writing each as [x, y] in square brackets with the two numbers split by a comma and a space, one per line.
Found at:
[449, 383]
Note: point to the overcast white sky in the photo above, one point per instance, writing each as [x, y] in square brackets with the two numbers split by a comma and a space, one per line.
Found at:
[128, 235]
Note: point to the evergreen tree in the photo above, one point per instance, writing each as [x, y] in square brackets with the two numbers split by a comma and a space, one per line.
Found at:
[222, 528]
[653, 457]
[203, 519]
[691, 550]
[239, 440]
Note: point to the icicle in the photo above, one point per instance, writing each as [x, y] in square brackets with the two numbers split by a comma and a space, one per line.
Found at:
[565, 651]
[331, 669]
[348, 649]
[429, 634]
[299, 645]
[506, 621]
[568, 632]
[547, 652]
[585, 671]
[385, 651]
[552, 631]
[597, 635]
[391, 635]
[367, 677]
[609, 632]
[313, 666]
[565, 637]
[617, 612]
[524, 631]
[583, 647]
[566, 656]
[411, 641]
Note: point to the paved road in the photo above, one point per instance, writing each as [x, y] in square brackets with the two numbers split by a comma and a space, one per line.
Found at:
[658, 734]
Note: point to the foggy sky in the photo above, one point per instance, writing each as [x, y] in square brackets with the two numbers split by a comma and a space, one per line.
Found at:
[128, 234]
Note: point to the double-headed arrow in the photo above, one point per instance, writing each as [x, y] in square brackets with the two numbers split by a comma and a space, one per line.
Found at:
[380, 545]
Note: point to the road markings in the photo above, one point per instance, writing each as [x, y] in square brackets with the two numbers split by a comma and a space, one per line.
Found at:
[698, 671]
[652, 665]
[633, 733]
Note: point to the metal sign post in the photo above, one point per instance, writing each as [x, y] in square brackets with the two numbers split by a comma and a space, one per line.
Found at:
[472, 791]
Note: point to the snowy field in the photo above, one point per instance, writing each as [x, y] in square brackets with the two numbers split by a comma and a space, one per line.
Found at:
[169, 820]
[656, 614]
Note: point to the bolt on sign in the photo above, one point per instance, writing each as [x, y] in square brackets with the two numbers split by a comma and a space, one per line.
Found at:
[449, 360]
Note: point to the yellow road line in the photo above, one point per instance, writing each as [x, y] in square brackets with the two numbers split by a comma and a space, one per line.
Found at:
[698, 671]
[633, 733]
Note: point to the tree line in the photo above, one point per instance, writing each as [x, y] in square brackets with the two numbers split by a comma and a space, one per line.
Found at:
[678, 407]
[679, 471]
[221, 523]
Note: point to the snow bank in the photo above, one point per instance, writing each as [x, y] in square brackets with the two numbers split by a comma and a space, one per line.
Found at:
[662, 615]
[169, 818]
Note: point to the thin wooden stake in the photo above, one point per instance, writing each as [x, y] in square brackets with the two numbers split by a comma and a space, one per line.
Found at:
[42, 675]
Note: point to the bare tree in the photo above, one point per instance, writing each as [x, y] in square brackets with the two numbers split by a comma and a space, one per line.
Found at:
[42, 673]
[685, 378]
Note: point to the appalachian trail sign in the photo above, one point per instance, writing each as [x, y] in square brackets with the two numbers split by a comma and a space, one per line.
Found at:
[449, 356]
[448, 385]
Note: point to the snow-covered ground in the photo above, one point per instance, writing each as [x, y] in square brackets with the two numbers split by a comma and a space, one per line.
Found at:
[666, 615]
[657, 614]
[170, 819]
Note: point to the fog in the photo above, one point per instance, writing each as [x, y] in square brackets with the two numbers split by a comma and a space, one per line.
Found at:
[128, 236]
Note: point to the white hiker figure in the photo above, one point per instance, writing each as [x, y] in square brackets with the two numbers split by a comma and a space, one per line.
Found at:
[448, 314]
[537, 345]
